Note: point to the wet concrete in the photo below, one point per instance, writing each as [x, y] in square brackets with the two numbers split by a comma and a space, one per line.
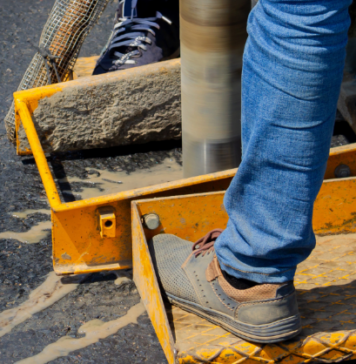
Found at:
[93, 331]
[25, 267]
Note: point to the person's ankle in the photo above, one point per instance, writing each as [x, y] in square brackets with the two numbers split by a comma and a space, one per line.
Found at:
[238, 283]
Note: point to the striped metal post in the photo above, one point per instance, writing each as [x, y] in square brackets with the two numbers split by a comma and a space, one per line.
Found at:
[213, 35]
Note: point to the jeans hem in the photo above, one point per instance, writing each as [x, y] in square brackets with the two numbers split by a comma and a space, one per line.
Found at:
[260, 277]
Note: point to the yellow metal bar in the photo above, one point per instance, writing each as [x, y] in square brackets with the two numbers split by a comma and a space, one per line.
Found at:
[148, 288]
[334, 208]
[345, 155]
[40, 158]
[225, 177]
[19, 151]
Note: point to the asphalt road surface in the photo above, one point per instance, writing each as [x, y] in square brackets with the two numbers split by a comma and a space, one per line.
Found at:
[25, 267]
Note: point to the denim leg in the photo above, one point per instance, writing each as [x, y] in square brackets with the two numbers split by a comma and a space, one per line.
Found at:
[292, 72]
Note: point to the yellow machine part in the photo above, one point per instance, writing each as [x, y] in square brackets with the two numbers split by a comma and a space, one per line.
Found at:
[85, 241]
[325, 284]
[79, 243]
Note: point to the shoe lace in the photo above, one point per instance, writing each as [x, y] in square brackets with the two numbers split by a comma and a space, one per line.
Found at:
[132, 37]
[206, 243]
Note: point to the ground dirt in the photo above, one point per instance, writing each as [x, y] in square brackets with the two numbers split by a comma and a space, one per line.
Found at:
[25, 267]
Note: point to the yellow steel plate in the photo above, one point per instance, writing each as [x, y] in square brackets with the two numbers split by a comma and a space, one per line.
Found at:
[325, 284]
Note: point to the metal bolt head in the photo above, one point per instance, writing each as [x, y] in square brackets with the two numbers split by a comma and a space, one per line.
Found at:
[151, 221]
[342, 171]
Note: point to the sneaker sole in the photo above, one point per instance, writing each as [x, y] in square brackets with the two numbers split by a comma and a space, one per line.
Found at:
[264, 334]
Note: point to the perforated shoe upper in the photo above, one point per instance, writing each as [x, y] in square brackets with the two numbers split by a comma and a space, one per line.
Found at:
[168, 253]
[193, 276]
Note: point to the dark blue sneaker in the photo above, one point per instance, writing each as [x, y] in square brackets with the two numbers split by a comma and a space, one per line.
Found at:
[145, 31]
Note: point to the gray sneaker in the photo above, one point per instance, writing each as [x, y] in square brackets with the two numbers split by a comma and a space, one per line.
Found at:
[191, 278]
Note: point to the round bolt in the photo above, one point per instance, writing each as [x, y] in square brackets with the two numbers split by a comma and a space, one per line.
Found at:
[151, 221]
[342, 171]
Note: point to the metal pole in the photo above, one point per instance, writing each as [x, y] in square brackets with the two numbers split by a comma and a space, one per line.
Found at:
[213, 35]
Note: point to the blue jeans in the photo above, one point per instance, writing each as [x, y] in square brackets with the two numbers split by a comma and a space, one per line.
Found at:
[292, 72]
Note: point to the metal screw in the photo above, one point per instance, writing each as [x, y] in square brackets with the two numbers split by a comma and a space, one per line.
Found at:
[342, 171]
[151, 221]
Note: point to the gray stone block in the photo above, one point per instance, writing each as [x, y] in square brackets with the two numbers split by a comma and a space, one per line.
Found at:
[139, 105]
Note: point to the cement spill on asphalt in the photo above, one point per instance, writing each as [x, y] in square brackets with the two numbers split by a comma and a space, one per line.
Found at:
[49, 292]
[113, 182]
[34, 235]
[122, 280]
[122, 277]
[93, 330]
[25, 213]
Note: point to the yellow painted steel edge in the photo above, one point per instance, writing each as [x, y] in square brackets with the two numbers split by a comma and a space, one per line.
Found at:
[19, 151]
[345, 154]
[31, 98]
[40, 158]
[343, 149]
[147, 285]
[335, 207]
[144, 191]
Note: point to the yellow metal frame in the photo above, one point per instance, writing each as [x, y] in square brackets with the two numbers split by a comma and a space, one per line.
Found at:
[80, 245]
[84, 242]
[192, 216]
